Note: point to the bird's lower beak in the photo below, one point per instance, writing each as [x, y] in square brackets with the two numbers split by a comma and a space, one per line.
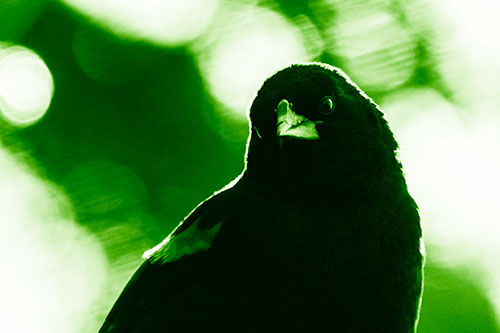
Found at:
[292, 124]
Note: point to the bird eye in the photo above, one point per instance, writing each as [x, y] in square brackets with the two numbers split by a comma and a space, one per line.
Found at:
[326, 105]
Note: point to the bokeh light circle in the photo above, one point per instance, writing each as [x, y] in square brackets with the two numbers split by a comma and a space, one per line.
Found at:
[378, 52]
[26, 86]
[248, 45]
[53, 269]
[164, 22]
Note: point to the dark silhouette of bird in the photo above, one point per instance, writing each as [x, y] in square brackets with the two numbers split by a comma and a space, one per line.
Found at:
[318, 233]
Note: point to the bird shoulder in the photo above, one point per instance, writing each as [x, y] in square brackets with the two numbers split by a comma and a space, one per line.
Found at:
[190, 241]
[197, 232]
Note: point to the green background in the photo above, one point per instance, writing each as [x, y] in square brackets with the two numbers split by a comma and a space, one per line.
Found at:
[135, 137]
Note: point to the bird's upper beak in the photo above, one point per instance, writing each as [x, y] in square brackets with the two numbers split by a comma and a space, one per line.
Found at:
[292, 124]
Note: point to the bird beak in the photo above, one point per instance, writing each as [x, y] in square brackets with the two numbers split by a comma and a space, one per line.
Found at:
[292, 124]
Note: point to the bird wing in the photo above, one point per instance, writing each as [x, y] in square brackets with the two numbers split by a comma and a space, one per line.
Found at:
[173, 266]
[192, 239]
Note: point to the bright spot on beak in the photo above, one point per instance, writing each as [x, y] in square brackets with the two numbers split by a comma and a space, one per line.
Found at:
[292, 124]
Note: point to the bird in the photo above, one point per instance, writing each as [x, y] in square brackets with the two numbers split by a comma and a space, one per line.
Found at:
[317, 234]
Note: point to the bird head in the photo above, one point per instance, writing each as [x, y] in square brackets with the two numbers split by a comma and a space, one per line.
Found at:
[312, 128]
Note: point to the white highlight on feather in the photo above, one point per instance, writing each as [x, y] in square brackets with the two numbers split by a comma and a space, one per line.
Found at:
[190, 241]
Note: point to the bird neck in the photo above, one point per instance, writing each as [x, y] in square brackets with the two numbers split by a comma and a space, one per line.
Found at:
[303, 172]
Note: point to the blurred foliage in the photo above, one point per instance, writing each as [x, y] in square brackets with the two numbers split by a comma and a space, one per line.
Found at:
[453, 302]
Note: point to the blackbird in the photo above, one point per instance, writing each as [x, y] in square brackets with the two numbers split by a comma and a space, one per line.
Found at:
[317, 234]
